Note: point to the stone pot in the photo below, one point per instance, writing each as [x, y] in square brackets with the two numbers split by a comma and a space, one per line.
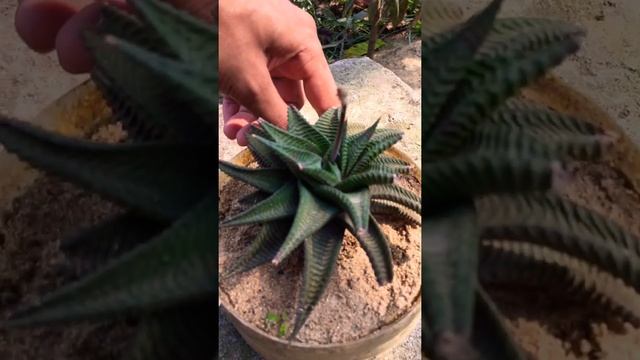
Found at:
[376, 343]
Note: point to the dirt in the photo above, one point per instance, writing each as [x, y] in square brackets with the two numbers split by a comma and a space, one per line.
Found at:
[353, 305]
[32, 265]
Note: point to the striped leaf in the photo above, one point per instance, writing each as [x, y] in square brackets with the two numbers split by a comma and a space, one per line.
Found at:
[262, 249]
[376, 246]
[146, 177]
[285, 138]
[398, 195]
[375, 147]
[362, 180]
[266, 179]
[449, 280]
[320, 258]
[311, 215]
[298, 126]
[190, 38]
[279, 205]
[465, 177]
[444, 66]
[356, 204]
[177, 266]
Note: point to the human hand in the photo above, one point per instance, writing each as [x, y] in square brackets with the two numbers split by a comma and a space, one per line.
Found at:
[270, 56]
[45, 25]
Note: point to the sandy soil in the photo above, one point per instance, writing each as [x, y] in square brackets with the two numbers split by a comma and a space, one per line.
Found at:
[353, 305]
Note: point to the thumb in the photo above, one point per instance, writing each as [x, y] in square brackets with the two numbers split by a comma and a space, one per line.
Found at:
[260, 95]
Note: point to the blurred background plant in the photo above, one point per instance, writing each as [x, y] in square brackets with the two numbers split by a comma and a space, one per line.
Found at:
[353, 28]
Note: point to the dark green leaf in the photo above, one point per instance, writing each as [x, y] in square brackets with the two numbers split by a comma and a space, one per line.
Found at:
[265, 179]
[298, 126]
[376, 246]
[321, 254]
[312, 214]
[356, 204]
[179, 265]
[279, 205]
[147, 177]
[449, 280]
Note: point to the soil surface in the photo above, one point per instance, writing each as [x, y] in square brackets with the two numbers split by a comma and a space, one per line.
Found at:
[31, 265]
[353, 305]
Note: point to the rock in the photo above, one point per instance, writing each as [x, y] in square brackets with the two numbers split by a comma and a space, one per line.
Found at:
[373, 92]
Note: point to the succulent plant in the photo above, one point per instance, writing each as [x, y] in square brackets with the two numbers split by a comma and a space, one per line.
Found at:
[319, 181]
[157, 261]
[494, 167]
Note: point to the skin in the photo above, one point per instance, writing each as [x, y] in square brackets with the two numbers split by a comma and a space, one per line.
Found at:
[270, 56]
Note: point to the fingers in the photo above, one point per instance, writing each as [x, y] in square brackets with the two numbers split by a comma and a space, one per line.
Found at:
[38, 21]
[290, 91]
[256, 90]
[235, 123]
[238, 119]
[319, 85]
[73, 55]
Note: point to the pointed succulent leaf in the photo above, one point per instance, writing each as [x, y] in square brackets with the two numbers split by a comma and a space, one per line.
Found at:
[508, 263]
[562, 146]
[328, 124]
[341, 135]
[179, 265]
[262, 153]
[490, 336]
[312, 214]
[520, 114]
[262, 249]
[146, 177]
[354, 146]
[391, 169]
[182, 332]
[161, 90]
[389, 160]
[398, 195]
[265, 179]
[374, 148]
[113, 237]
[300, 127]
[445, 65]
[298, 160]
[200, 87]
[135, 121]
[192, 39]
[449, 266]
[478, 174]
[282, 137]
[279, 205]
[356, 204]
[361, 180]
[376, 246]
[392, 209]
[321, 254]
[554, 211]
[493, 79]
[558, 224]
